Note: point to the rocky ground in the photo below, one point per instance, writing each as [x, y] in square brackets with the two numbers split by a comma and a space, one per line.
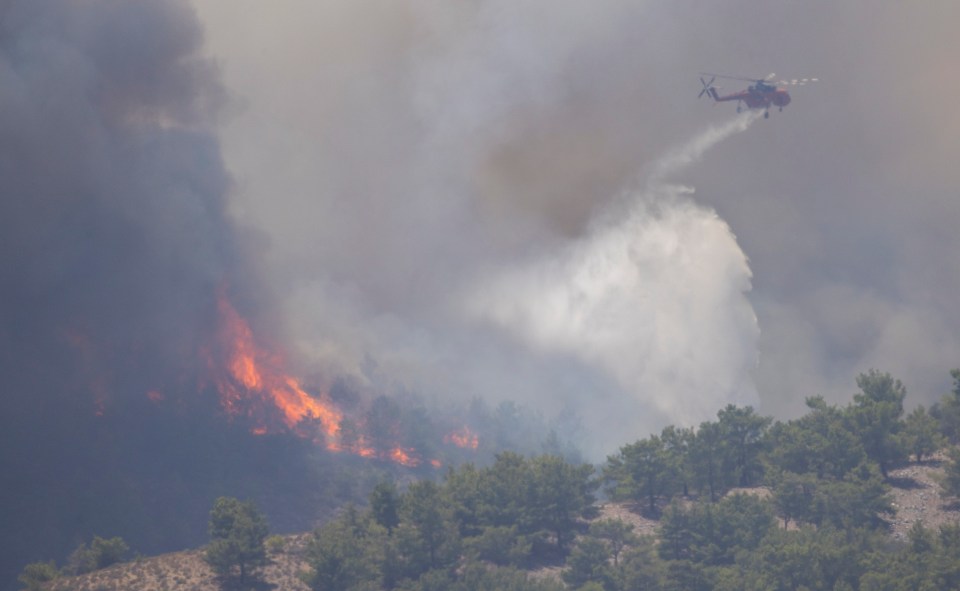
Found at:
[916, 497]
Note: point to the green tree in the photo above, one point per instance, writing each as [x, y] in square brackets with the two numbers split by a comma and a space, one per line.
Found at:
[706, 460]
[480, 577]
[560, 494]
[466, 490]
[808, 558]
[921, 434]
[640, 471]
[875, 414]
[237, 533]
[385, 505]
[950, 481]
[499, 545]
[616, 533]
[858, 501]
[427, 537]
[677, 444]
[675, 533]
[713, 533]
[742, 430]
[36, 574]
[946, 561]
[505, 489]
[793, 496]
[947, 411]
[819, 443]
[589, 562]
[641, 567]
[100, 553]
[346, 554]
[686, 575]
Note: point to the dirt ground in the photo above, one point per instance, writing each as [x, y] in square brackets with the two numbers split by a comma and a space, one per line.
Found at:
[187, 571]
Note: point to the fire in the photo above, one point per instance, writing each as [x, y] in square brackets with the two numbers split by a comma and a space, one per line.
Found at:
[399, 455]
[252, 382]
[403, 458]
[463, 437]
[255, 378]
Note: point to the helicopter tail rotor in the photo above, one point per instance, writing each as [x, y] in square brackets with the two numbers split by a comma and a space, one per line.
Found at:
[708, 88]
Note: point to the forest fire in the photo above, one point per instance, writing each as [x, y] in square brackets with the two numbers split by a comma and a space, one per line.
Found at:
[463, 438]
[252, 382]
[255, 383]
[403, 458]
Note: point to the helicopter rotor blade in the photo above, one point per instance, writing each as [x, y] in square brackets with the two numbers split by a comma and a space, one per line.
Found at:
[745, 79]
[706, 86]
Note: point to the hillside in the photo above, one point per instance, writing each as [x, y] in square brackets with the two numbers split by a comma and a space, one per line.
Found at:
[915, 495]
[187, 571]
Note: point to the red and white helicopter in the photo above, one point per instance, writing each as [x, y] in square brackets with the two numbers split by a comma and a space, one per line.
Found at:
[760, 95]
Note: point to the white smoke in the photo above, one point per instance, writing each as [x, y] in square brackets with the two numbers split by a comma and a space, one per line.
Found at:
[656, 298]
[406, 160]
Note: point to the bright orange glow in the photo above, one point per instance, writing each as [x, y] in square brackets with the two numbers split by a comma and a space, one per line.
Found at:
[464, 438]
[252, 382]
[436, 463]
[401, 457]
[255, 377]
[155, 396]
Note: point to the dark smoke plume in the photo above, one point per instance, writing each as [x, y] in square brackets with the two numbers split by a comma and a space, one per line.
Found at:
[114, 241]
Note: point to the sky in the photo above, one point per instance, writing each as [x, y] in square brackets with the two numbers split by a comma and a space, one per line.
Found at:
[465, 199]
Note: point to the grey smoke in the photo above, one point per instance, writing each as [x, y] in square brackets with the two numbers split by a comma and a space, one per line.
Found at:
[414, 158]
[114, 237]
[653, 295]
[393, 153]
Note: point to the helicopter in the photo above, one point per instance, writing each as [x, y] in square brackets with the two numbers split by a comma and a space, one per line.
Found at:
[761, 94]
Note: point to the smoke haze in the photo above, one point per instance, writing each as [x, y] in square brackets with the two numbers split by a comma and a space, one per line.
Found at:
[437, 148]
[403, 152]
[653, 295]
[115, 241]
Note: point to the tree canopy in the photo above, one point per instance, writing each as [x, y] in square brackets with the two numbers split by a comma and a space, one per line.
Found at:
[237, 534]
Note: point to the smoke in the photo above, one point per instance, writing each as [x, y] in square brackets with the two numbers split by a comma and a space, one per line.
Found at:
[114, 239]
[492, 135]
[416, 171]
[653, 295]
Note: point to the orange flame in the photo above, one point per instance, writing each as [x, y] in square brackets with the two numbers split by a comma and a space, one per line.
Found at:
[252, 372]
[463, 437]
[403, 458]
[254, 383]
